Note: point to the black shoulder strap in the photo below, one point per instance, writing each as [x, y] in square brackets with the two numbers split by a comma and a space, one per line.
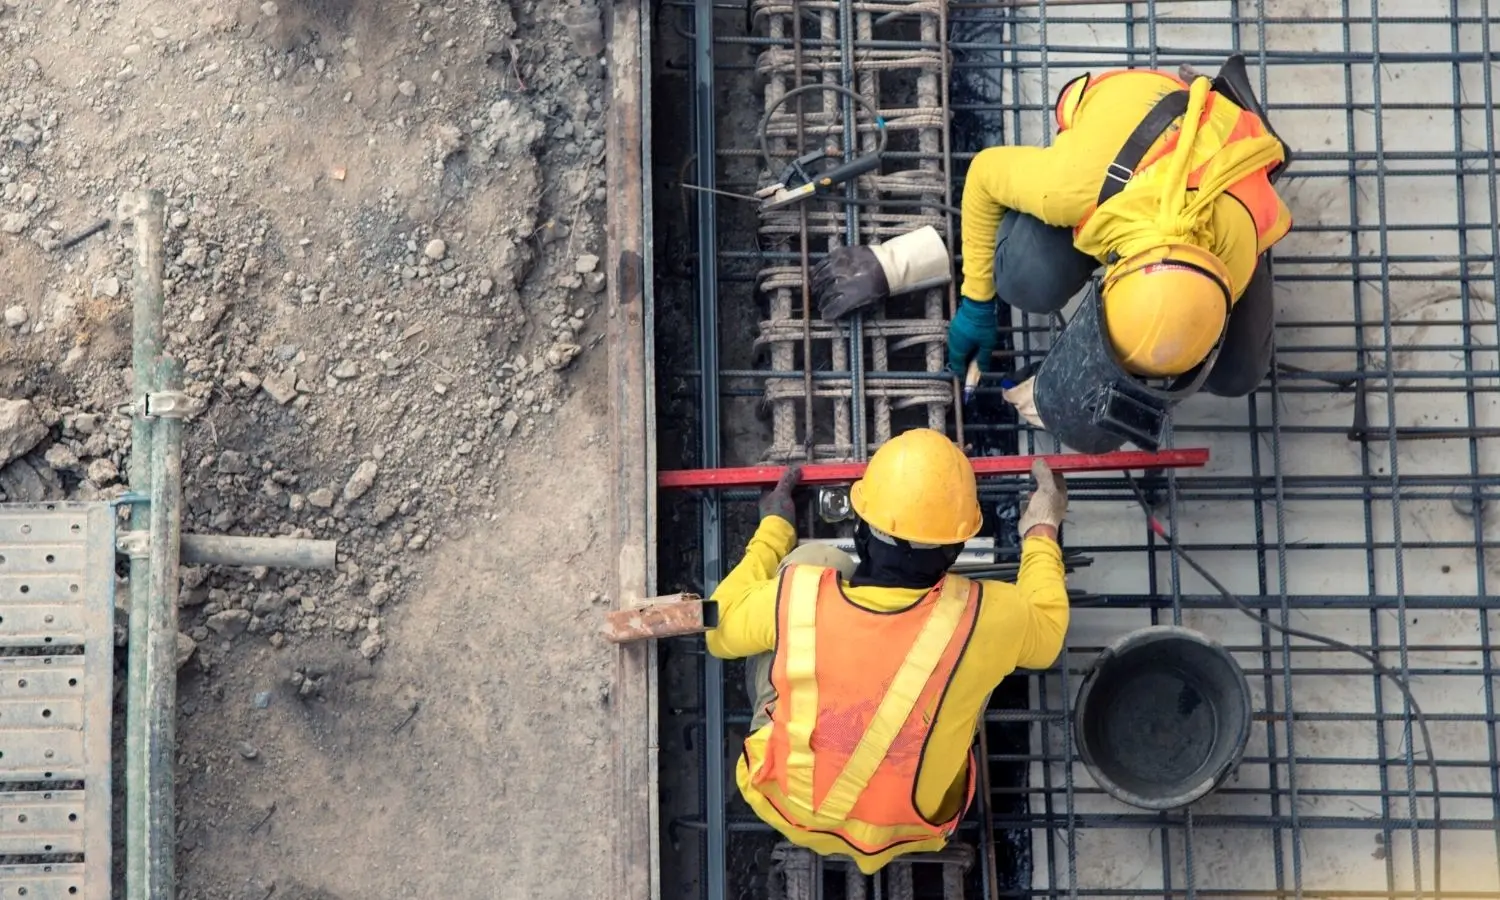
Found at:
[1166, 111]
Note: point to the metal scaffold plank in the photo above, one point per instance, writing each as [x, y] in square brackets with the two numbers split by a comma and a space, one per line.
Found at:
[56, 592]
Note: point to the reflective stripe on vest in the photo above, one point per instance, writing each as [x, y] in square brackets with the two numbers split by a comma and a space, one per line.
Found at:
[1221, 124]
[816, 778]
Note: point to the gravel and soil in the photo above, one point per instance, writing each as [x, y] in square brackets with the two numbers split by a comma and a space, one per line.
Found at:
[384, 230]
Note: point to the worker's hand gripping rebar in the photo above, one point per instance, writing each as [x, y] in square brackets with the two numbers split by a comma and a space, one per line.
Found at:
[1049, 502]
[778, 500]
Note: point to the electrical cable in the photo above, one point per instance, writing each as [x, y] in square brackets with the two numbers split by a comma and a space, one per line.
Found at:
[1374, 662]
[765, 121]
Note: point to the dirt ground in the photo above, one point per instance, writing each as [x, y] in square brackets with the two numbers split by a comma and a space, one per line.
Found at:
[383, 277]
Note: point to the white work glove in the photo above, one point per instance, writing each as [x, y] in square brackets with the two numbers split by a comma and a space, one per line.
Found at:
[852, 278]
[1049, 502]
[1022, 397]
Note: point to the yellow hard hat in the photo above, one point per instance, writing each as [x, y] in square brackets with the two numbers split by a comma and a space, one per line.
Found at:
[919, 486]
[1165, 308]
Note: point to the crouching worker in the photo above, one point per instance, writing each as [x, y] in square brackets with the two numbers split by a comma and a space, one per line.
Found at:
[869, 680]
[1169, 186]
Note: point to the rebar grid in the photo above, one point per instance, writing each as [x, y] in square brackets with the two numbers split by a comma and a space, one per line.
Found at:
[1353, 495]
[808, 44]
[1342, 497]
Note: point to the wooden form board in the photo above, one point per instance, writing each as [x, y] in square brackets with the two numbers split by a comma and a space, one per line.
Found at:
[633, 508]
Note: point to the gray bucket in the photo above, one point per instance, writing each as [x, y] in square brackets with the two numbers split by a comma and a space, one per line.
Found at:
[1162, 717]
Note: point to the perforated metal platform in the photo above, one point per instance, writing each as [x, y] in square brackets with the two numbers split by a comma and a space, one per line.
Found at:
[56, 686]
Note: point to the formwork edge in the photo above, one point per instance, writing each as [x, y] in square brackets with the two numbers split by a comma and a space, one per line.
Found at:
[633, 525]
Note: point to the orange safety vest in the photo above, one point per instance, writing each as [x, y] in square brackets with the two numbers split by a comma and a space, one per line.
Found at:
[857, 694]
[1222, 123]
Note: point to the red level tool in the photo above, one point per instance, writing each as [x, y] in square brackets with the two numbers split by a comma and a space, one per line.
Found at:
[984, 466]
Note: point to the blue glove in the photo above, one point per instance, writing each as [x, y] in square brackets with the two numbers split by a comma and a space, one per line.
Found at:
[972, 333]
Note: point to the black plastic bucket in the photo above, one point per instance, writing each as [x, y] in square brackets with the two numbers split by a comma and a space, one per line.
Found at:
[1162, 717]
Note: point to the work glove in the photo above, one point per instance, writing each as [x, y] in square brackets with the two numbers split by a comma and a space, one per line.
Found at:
[778, 500]
[1021, 395]
[852, 278]
[1049, 502]
[972, 335]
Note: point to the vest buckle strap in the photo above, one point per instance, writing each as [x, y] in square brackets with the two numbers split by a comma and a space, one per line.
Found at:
[1117, 172]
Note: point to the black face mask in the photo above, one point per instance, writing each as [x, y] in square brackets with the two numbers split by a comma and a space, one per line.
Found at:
[899, 565]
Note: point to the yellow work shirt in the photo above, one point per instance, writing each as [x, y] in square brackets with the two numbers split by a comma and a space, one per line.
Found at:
[1019, 625]
[1060, 184]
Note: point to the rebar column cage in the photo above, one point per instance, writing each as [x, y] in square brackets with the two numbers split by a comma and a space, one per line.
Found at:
[1352, 495]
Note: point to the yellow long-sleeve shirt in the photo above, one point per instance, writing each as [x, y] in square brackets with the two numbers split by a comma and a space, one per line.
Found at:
[1019, 625]
[1059, 185]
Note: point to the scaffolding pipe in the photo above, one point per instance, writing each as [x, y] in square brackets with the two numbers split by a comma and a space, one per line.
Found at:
[158, 828]
[147, 209]
[276, 553]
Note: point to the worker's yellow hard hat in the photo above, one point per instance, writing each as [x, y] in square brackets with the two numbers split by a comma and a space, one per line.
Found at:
[1068, 101]
[1165, 308]
[919, 486]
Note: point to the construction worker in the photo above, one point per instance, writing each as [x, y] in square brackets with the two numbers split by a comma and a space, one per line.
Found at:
[1169, 187]
[868, 681]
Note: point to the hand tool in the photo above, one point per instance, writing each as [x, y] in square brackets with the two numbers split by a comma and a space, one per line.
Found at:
[815, 174]
[971, 380]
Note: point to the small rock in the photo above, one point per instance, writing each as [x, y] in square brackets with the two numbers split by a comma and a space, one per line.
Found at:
[435, 250]
[14, 223]
[586, 264]
[346, 369]
[384, 511]
[247, 749]
[268, 9]
[194, 255]
[282, 388]
[232, 462]
[16, 316]
[559, 355]
[185, 647]
[371, 646]
[21, 429]
[26, 135]
[278, 640]
[322, 498]
[178, 219]
[508, 423]
[379, 594]
[27, 194]
[361, 481]
[407, 89]
[595, 282]
[261, 700]
[266, 604]
[102, 472]
[107, 287]
[231, 623]
[60, 456]
[86, 423]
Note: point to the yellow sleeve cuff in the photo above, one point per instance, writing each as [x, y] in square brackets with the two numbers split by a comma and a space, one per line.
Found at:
[779, 534]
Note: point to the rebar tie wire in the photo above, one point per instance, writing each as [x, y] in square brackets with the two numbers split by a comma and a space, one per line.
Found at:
[1378, 667]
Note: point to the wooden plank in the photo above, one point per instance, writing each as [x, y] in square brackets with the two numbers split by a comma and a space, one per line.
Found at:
[657, 617]
[633, 525]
